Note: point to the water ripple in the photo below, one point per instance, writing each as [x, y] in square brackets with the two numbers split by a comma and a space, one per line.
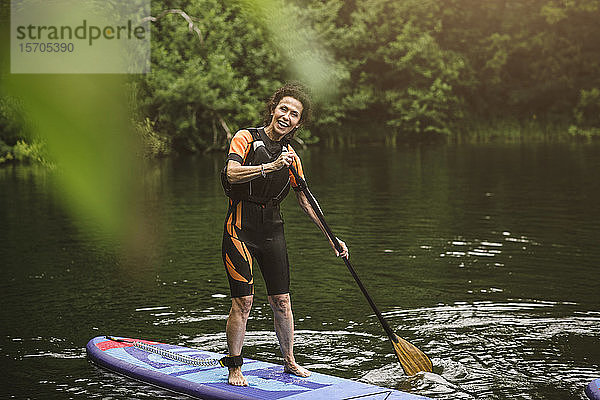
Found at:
[501, 350]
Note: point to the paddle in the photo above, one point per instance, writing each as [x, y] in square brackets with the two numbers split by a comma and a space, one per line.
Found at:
[410, 357]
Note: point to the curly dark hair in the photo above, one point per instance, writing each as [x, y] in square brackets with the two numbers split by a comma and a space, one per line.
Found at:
[298, 92]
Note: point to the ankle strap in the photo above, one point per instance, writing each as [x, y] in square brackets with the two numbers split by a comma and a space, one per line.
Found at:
[232, 361]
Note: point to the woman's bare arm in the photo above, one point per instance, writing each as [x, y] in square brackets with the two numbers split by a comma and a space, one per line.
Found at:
[305, 205]
[238, 173]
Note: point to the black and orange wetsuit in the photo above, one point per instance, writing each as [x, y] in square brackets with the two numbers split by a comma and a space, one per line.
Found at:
[254, 227]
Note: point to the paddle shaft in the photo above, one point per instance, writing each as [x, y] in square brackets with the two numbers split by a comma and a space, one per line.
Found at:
[315, 206]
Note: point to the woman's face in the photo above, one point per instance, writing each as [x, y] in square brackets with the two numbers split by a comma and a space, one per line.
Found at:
[286, 116]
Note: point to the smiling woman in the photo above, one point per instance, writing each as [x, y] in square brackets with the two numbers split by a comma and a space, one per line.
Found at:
[256, 179]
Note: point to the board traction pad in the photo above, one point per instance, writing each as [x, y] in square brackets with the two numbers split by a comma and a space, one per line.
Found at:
[266, 381]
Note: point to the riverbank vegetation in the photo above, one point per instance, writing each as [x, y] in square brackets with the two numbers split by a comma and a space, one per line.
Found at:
[416, 70]
[413, 70]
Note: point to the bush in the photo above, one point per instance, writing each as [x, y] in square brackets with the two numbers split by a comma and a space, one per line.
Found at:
[13, 126]
[23, 152]
[587, 115]
[153, 144]
[587, 111]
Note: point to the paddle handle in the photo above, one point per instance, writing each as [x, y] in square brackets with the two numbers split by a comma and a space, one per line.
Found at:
[315, 206]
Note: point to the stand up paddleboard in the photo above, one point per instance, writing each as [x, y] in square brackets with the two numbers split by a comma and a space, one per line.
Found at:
[200, 374]
[592, 390]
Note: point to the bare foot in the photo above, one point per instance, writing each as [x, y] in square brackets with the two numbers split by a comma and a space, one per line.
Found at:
[295, 369]
[236, 378]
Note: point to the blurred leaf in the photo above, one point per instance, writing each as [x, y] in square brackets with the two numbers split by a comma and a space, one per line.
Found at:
[293, 36]
[84, 122]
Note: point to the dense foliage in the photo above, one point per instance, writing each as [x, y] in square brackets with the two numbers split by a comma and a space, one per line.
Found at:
[427, 66]
[409, 70]
[199, 83]
[416, 69]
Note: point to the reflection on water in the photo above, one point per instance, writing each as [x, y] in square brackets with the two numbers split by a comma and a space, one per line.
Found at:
[484, 257]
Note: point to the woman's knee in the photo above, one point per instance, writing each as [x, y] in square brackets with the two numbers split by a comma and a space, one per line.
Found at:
[241, 305]
[280, 303]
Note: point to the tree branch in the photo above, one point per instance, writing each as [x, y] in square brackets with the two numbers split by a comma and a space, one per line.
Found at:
[191, 25]
[225, 127]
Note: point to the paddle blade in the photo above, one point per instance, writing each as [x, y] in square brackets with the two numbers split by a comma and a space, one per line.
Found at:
[410, 357]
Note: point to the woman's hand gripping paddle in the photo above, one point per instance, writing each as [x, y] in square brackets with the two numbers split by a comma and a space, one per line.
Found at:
[410, 357]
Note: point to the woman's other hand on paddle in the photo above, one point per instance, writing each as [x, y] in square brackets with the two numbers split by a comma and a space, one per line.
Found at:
[344, 253]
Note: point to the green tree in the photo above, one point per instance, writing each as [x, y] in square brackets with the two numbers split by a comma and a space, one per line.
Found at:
[529, 57]
[394, 72]
[200, 85]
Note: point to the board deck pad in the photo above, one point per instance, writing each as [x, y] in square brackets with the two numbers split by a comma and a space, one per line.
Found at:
[267, 381]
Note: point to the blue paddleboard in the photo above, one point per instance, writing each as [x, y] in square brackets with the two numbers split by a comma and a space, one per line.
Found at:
[180, 369]
[592, 390]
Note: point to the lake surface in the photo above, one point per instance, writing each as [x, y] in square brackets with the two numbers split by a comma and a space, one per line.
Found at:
[485, 257]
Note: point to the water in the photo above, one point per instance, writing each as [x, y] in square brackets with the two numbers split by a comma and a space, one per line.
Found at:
[485, 257]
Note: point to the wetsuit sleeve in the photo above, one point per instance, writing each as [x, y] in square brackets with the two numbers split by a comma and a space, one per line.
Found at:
[239, 147]
[298, 165]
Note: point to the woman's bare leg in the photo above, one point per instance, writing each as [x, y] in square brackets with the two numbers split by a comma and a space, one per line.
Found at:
[236, 331]
[284, 329]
